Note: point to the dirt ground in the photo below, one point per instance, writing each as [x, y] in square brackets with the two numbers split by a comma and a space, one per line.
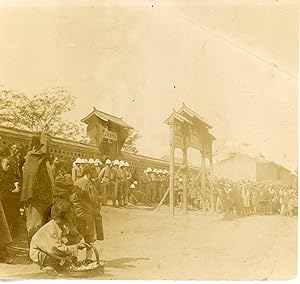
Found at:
[142, 244]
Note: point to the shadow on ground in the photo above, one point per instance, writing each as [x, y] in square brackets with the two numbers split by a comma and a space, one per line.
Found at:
[123, 263]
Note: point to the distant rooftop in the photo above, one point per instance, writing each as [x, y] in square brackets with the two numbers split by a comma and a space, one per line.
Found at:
[107, 117]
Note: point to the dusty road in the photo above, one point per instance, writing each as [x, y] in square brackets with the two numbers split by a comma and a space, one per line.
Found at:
[142, 244]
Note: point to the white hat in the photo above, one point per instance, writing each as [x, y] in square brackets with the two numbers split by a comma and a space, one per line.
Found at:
[155, 170]
[91, 161]
[116, 162]
[180, 179]
[108, 162]
[165, 172]
[121, 164]
[78, 161]
[135, 182]
[160, 171]
[98, 162]
[149, 170]
[126, 164]
[132, 186]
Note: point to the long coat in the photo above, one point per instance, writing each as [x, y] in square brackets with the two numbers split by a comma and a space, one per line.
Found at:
[87, 209]
[6, 184]
[36, 180]
[4, 230]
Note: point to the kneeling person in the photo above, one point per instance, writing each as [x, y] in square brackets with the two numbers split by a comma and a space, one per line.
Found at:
[48, 245]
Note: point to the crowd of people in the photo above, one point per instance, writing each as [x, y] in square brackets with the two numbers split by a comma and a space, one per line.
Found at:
[61, 207]
[245, 198]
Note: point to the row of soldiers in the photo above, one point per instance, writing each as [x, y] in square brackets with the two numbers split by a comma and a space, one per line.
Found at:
[113, 179]
[154, 184]
[116, 182]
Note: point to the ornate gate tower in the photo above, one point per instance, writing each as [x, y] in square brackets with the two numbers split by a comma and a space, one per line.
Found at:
[107, 132]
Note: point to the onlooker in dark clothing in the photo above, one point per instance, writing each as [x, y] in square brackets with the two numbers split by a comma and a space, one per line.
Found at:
[36, 192]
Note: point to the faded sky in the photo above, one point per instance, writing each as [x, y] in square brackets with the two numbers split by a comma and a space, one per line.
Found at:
[236, 65]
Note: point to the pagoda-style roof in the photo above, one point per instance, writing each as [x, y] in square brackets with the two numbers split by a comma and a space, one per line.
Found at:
[211, 137]
[174, 115]
[192, 114]
[106, 117]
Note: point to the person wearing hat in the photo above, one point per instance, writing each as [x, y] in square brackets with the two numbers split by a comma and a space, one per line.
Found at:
[98, 166]
[104, 179]
[87, 206]
[154, 186]
[148, 184]
[165, 178]
[77, 169]
[127, 182]
[143, 182]
[160, 185]
[131, 195]
[122, 190]
[115, 183]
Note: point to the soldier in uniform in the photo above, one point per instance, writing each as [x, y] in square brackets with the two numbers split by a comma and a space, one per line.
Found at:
[77, 169]
[148, 185]
[115, 182]
[154, 182]
[122, 188]
[98, 166]
[166, 185]
[104, 179]
[160, 185]
[128, 182]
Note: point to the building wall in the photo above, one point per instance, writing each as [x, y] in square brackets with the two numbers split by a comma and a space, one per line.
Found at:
[65, 149]
[237, 168]
[70, 150]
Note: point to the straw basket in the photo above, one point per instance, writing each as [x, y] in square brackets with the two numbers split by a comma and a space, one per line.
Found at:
[97, 268]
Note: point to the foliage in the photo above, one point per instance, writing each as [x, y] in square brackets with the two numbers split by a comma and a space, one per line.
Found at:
[40, 113]
[129, 145]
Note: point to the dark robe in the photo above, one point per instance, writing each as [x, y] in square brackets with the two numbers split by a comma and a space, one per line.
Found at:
[87, 209]
[4, 230]
[36, 181]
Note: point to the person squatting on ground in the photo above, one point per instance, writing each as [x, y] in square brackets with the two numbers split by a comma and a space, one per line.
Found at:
[49, 246]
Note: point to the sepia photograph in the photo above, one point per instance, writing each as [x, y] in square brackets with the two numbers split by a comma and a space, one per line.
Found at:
[149, 139]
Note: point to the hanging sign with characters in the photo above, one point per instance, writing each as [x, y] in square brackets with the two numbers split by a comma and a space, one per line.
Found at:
[110, 135]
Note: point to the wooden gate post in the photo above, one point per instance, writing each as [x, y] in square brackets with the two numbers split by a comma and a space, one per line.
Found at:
[185, 177]
[203, 168]
[171, 181]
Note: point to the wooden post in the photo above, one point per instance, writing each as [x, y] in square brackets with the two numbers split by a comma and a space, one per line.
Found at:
[211, 169]
[171, 182]
[185, 177]
[203, 168]
[165, 195]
